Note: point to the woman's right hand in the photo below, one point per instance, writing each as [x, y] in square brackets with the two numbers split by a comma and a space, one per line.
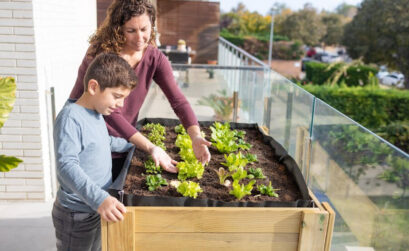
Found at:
[160, 157]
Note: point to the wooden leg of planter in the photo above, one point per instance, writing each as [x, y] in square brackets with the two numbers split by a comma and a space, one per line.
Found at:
[104, 235]
[313, 231]
[121, 236]
[331, 222]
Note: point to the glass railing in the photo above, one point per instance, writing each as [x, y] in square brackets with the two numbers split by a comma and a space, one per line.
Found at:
[362, 176]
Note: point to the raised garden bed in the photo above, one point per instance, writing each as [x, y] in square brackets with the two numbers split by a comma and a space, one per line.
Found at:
[164, 219]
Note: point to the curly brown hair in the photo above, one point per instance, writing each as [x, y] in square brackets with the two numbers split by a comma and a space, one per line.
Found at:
[109, 36]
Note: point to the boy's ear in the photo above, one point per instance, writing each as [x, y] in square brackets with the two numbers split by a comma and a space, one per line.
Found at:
[93, 86]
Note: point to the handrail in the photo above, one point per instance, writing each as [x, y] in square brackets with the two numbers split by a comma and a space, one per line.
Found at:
[216, 67]
[243, 52]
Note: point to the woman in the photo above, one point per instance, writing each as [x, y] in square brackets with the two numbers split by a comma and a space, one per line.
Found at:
[128, 31]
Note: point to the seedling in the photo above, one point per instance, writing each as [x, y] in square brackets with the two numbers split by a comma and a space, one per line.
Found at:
[241, 190]
[192, 169]
[150, 167]
[223, 175]
[256, 173]
[267, 190]
[189, 189]
[155, 181]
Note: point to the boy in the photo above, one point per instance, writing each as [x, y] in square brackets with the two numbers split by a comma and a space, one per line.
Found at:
[83, 151]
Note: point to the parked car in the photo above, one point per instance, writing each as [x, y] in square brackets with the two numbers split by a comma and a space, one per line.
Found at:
[393, 79]
[323, 57]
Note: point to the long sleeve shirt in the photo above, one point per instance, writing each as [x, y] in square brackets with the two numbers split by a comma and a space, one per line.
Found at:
[83, 151]
[153, 66]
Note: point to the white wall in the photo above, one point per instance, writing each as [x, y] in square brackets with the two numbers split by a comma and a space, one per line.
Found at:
[42, 43]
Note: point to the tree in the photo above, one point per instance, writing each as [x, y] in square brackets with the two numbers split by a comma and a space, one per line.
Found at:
[346, 10]
[334, 27]
[380, 34]
[304, 25]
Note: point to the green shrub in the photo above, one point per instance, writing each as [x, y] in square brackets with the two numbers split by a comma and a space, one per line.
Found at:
[371, 107]
[319, 74]
[396, 133]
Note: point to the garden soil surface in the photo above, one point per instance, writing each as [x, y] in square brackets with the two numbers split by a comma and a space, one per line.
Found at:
[275, 172]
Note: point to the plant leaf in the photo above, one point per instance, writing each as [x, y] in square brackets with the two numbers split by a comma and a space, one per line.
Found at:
[7, 98]
[8, 162]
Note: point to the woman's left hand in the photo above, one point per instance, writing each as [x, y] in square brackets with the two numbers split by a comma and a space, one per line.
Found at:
[199, 145]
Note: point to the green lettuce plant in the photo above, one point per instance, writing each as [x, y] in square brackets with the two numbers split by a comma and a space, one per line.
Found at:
[192, 169]
[241, 190]
[223, 175]
[155, 181]
[150, 167]
[234, 161]
[255, 173]
[267, 190]
[156, 134]
[189, 189]
[7, 98]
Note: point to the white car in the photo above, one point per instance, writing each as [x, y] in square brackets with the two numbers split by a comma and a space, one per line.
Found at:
[393, 79]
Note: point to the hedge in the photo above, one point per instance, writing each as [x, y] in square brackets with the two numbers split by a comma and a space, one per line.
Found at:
[317, 73]
[371, 107]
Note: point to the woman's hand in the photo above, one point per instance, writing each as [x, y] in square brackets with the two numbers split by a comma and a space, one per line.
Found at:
[200, 149]
[160, 157]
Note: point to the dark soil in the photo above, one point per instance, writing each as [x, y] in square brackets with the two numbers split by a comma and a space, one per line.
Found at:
[275, 172]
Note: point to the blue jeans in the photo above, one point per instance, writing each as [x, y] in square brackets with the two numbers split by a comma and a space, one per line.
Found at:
[76, 230]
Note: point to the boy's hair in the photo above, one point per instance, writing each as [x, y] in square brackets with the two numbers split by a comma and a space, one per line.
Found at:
[110, 71]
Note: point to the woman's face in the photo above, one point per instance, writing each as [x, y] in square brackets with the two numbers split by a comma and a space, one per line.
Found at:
[137, 32]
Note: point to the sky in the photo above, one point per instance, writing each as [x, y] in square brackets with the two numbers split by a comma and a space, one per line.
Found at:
[263, 6]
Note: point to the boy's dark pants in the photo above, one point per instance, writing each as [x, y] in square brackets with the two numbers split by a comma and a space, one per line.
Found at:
[76, 230]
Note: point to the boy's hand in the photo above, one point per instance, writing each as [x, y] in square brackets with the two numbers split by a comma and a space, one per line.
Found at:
[160, 157]
[111, 210]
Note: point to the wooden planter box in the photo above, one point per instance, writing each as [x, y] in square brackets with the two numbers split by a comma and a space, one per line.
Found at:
[221, 228]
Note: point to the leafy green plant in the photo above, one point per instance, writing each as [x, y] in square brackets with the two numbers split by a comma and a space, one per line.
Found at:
[239, 174]
[179, 129]
[184, 142]
[255, 173]
[155, 181]
[234, 161]
[189, 189]
[267, 190]
[221, 104]
[223, 175]
[7, 98]
[150, 167]
[251, 157]
[192, 169]
[241, 190]
[156, 134]
[226, 140]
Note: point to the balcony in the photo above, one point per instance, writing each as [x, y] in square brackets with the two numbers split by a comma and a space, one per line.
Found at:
[362, 176]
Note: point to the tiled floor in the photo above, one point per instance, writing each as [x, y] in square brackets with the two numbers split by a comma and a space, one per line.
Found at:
[26, 226]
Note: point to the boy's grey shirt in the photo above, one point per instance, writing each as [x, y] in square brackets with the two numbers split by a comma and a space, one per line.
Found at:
[83, 151]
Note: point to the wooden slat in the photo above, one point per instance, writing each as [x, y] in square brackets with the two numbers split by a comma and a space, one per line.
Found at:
[104, 235]
[196, 219]
[331, 222]
[313, 231]
[120, 234]
[215, 241]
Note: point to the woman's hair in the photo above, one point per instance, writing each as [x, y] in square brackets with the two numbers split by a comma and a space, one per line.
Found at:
[110, 70]
[109, 36]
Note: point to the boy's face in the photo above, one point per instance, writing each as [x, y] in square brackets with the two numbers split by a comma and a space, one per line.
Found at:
[110, 99]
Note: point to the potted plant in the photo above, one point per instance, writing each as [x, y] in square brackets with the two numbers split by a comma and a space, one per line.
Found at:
[221, 103]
